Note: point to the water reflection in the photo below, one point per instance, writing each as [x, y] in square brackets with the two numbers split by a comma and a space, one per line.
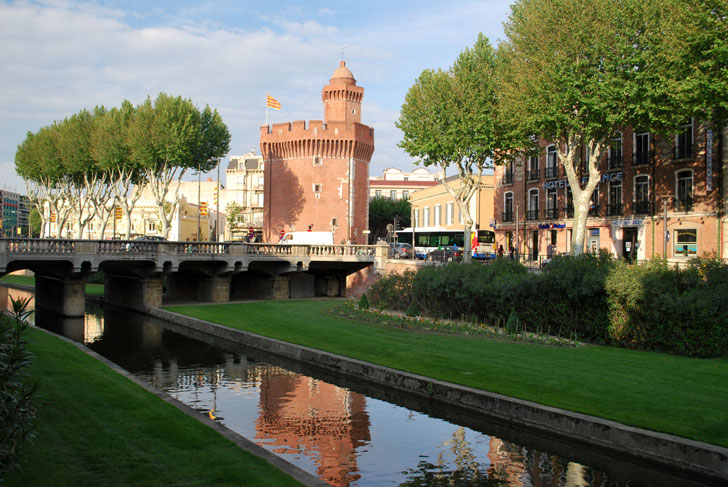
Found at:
[336, 433]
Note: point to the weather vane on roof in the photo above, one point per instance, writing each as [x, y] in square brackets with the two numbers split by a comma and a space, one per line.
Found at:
[342, 52]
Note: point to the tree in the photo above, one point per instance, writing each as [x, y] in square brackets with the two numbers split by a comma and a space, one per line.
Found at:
[383, 211]
[169, 136]
[601, 65]
[233, 216]
[449, 119]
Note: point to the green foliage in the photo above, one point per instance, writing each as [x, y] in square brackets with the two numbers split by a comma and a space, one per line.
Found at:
[363, 302]
[382, 211]
[513, 325]
[413, 310]
[592, 298]
[393, 291]
[17, 413]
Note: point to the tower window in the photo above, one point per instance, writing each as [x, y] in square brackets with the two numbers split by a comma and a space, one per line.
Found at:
[317, 161]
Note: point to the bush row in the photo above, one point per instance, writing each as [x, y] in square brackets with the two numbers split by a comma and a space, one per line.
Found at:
[592, 298]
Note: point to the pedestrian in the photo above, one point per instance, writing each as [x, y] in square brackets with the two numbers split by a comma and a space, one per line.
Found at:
[511, 252]
[500, 251]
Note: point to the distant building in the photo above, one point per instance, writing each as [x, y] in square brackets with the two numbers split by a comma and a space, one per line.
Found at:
[397, 185]
[646, 182]
[10, 206]
[317, 173]
[435, 209]
[244, 179]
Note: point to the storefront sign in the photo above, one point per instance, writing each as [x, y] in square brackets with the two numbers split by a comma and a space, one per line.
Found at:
[593, 232]
[554, 225]
[709, 160]
[626, 223]
[564, 183]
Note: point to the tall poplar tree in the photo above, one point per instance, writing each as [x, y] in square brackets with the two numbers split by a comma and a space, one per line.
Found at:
[576, 72]
[448, 119]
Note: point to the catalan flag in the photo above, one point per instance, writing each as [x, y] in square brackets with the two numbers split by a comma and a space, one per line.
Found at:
[273, 103]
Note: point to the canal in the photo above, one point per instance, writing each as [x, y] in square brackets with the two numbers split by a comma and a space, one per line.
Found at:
[344, 432]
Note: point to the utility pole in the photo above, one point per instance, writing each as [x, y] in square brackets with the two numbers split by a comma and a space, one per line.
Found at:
[198, 202]
[517, 232]
[664, 225]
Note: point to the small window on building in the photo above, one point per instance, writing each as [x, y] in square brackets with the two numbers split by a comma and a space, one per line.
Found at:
[378, 193]
[393, 194]
[334, 222]
[151, 226]
[684, 190]
[405, 195]
[686, 242]
[426, 216]
[450, 213]
[417, 217]
[438, 215]
[317, 190]
[684, 141]
[317, 161]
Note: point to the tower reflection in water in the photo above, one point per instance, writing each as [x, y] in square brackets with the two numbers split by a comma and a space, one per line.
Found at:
[340, 435]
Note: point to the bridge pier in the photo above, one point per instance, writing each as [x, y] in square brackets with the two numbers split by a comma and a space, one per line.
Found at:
[65, 296]
[214, 289]
[137, 293]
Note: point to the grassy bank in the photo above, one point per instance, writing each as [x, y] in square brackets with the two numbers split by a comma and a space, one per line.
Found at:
[678, 395]
[96, 427]
[92, 289]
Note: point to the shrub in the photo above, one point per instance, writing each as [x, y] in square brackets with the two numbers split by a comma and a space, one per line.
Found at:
[513, 325]
[393, 291]
[363, 302]
[17, 414]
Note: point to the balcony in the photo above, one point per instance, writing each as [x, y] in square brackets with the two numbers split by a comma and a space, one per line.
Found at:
[641, 158]
[532, 215]
[641, 207]
[551, 172]
[507, 216]
[614, 209]
[683, 204]
[614, 161]
[552, 213]
[533, 175]
[507, 177]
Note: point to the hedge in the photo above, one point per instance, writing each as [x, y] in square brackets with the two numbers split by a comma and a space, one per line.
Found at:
[594, 298]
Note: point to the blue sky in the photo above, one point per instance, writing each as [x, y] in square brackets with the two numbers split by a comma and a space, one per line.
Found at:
[60, 56]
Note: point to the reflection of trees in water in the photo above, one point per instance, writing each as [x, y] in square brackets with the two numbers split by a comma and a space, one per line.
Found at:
[466, 472]
[509, 464]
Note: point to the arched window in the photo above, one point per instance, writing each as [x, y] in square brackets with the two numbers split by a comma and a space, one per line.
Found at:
[508, 207]
[532, 212]
[641, 203]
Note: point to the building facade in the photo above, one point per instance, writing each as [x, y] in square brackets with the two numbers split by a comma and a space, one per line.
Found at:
[657, 197]
[396, 185]
[10, 211]
[435, 209]
[317, 173]
[244, 194]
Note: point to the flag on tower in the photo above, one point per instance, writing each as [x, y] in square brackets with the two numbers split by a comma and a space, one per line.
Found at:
[273, 103]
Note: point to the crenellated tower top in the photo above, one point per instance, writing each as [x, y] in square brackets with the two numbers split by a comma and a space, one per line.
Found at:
[342, 97]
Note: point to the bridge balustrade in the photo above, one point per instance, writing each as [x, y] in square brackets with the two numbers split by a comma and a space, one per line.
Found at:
[38, 246]
[202, 248]
[269, 249]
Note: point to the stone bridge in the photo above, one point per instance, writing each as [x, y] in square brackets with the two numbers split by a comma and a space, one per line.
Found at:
[143, 274]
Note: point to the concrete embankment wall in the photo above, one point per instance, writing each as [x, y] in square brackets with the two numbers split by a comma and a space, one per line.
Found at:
[676, 453]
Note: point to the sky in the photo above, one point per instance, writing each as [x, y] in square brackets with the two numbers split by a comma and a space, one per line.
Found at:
[58, 57]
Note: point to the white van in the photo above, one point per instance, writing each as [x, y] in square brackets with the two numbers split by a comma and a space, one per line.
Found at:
[308, 238]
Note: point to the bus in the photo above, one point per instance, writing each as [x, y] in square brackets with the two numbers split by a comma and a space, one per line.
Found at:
[429, 239]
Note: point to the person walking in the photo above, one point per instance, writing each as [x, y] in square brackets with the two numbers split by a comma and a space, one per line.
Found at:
[500, 251]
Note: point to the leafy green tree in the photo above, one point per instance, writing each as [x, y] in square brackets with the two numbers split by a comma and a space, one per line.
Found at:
[601, 65]
[383, 211]
[449, 118]
[234, 216]
[170, 136]
[35, 223]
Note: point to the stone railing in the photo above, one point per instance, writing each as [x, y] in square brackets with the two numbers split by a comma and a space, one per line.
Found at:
[341, 250]
[37, 246]
[269, 249]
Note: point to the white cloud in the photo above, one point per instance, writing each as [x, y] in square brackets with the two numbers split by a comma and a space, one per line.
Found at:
[61, 56]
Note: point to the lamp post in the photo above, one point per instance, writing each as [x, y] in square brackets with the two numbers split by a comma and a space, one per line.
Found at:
[198, 202]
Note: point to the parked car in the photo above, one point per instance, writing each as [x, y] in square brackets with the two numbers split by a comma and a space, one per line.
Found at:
[136, 244]
[400, 251]
[446, 253]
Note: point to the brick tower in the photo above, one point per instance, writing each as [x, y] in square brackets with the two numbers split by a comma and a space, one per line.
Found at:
[317, 174]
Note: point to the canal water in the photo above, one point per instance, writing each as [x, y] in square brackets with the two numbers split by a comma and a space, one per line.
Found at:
[346, 433]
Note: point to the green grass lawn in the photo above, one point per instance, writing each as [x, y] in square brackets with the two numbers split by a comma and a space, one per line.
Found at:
[93, 289]
[683, 396]
[95, 427]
